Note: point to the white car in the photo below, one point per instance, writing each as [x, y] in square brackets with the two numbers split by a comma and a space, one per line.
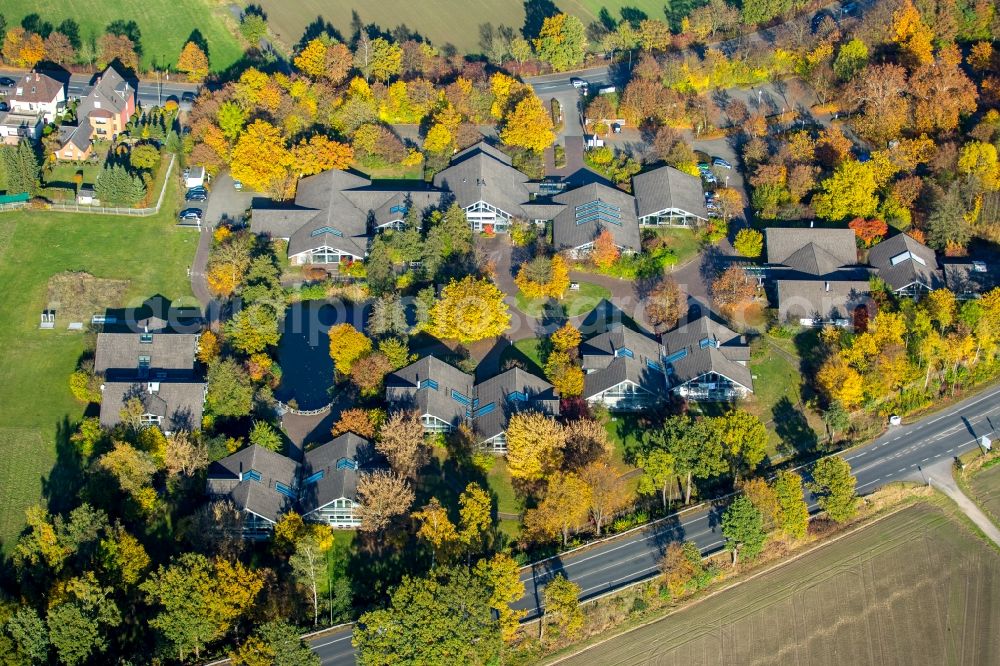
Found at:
[895, 420]
[578, 83]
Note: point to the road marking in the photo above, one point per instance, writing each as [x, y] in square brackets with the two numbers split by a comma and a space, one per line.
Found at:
[901, 469]
[926, 459]
[336, 640]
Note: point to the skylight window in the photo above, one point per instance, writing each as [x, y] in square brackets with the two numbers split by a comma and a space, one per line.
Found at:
[347, 463]
[624, 351]
[460, 398]
[327, 230]
[907, 256]
[598, 211]
[284, 490]
[517, 396]
[251, 475]
[676, 356]
[398, 208]
[313, 478]
[428, 383]
[484, 410]
[146, 338]
[653, 365]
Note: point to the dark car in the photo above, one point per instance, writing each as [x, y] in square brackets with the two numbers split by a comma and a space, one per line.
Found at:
[187, 97]
[4, 107]
[190, 215]
[6, 82]
[719, 162]
[196, 196]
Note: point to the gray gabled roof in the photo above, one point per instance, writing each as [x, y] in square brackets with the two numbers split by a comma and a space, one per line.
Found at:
[622, 354]
[590, 209]
[901, 261]
[226, 477]
[834, 298]
[666, 188]
[325, 478]
[402, 389]
[706, 345]
[179, 403]
[970, 277]
[811, 251]
[482, 173]
[110, 95]
[502, 392]
[119, 352]
[34, 88]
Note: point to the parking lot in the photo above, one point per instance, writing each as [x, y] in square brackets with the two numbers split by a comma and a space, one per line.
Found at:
[225, 202]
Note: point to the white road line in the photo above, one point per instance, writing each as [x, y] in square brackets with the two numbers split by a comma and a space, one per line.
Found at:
[926, 459]
[336, 640]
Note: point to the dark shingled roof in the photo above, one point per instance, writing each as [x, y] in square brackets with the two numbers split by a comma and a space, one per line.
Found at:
[335, 482]
[811, 251]
[835, 298]
[666, 188]
[606, 367]
[483, 173]
[178, 402]
[568, 233]
[901, 261]
[707, 346]
[540, 397]
[966, 277]
[34, 88]
[120, 352]
[110, 93]
[402, 389]
[259, 497]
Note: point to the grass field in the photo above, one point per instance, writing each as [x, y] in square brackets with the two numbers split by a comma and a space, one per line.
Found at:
[986, 491]
[573, 304]
[165, 25]
[35, 404]
[288, 20]
[915, 588]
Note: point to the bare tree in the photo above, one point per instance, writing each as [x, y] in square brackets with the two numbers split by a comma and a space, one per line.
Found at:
[665, 304]
[216, 528]
[609, 493]
[184, 455]
[382, 496]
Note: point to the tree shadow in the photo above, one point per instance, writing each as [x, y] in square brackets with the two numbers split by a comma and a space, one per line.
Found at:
[199, 40]
[535, 13]
[66, 479]
[317, 28]
[790, 424]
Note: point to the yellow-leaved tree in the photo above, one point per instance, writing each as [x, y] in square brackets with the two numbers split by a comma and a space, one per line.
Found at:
[529, 125]
[840, 382]
[347, 345]
[193, 62]
[260, 158]
[469, 309]
[534, 445]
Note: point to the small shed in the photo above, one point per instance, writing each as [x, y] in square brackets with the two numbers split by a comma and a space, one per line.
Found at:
[594, 141]
[85, 196]
[195, 177]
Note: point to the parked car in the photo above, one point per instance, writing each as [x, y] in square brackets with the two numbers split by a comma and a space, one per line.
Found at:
[237, 185]
[190, 215]
[616, 128]
[4, 107]
[196, 196]
[578, 83]
[719, 162]
[6, 82]
[187, 97]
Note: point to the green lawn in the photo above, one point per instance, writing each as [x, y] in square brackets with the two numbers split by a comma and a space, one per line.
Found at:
[392, 172]
[500, 483]
[36, 407]
[573, 304]
[527, 350]
[986, 491]
[684, 243]
[165, 25]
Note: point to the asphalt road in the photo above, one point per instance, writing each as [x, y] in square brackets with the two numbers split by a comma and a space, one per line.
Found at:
[150, 93]
[903, 453]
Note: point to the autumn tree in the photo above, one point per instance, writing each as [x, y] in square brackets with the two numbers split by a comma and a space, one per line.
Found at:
[347, 345]
[851, 191]
[198, 600]
[368, 373]
[839, 382]
[274, 643]
[942, 93]
[665, 304]
[879, 91]
[355, 420]
[382, 496]
[253, 329]
[534, 445]
[605, 251]
[562, 604]
[475, 517]
[912, 34]
[566, 338]
[132, 469]
[743, 527]
[680, 565]
[833, 484]
[309, 565]
[564, 374]
[733, 290]
[745, 438]
[193, 62]
[749, 243]
[22, 48]
[59, 49]
[468, 310]
[763, 496]
[401, 441]
[436, 528]
[184, 454]
[501, 576]
[851, 59]
[260, 158]
[794, 514]
[587, 442]
[111, 47]
[658, 473]
[562, 42]
[869, 232]
[609, 492]
[319, 153]
[529, 125]
[230, 392]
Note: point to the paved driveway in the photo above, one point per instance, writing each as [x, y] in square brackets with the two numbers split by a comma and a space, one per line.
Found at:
[226, 202]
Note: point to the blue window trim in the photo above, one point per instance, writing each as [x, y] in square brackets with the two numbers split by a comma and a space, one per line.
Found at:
[460, 398]
[676, 356]
[326, 230]
[517, 396]
[347, 463]
[653, 365]
[284, 490]
[251, 474]
[428, 383]
[313, 478]
[484, 410]
[624, 351]
[398, 208]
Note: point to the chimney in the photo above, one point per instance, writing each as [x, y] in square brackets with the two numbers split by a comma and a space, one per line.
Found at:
[828, 286]
[811, 224]
[36, 76]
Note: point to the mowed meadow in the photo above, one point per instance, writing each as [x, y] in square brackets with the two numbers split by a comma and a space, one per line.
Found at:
[165, 25]
[442, 22]
[37, 411]
[917, 587]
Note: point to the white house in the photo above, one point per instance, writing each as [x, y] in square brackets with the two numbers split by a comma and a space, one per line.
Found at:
[35, 93]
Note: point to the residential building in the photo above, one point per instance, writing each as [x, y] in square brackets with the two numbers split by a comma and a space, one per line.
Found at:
[909, 267]
[328, 481]
[970, 278]
[445, 397]
[498, 398]
[669, 197]
[156, 364]
[17, 125]
[101, 115]
[264, 485]
[707, 361]
[588, 211]
[260, 483]
[814, 275]
[36, 94]
[624, 369]
[336, 213]
[440, 393]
